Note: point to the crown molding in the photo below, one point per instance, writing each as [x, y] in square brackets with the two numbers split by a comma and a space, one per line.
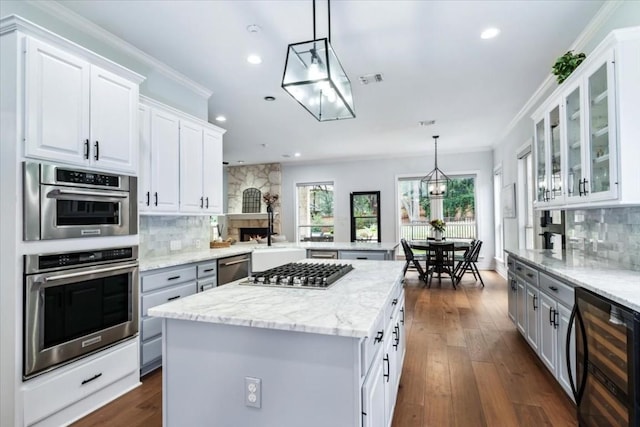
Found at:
[70, 17]
[581, 41]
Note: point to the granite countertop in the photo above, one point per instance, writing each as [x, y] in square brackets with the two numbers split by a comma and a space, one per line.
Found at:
[606, 278]
[152, 263]
[349, 308]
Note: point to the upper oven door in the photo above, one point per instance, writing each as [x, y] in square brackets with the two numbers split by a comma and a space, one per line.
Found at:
[68, 212]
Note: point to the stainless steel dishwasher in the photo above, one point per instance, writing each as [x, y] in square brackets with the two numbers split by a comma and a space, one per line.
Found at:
[233, 268]
[321, 254]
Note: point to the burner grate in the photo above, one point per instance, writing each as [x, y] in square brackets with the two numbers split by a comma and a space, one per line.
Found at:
[303, 275]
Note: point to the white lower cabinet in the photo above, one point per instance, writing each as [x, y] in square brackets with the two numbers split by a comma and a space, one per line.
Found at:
[49, 399]
[542, 316]
[512, 288]
[373, 407]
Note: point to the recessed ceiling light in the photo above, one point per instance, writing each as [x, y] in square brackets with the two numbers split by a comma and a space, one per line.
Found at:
[297, 154]
[254, 59]
[221, 119]
[490, 33]
[427, 122]
[253, 28]
[269, 98]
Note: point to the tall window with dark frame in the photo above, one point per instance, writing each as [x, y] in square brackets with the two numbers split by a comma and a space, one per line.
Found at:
[365, 216]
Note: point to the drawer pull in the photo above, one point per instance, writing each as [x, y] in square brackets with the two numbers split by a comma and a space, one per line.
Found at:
[378, 337]
[519, 268]
[173, 277]
[206, 287]
[395, 301]
[386, 359]
[95, 377]
[529, 275]
[402, 319]
[362, 257]
[208, 270]
[553, 288]
[172, 298]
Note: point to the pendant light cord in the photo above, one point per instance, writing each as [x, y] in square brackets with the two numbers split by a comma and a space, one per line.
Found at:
[435, 137]
[314, 19]
[329, 17]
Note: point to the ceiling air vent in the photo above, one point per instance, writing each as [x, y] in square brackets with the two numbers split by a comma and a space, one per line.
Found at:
[371, 78]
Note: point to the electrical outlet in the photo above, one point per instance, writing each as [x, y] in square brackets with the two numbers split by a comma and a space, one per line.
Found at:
[196, 243]
[253, 392]
[176, 245]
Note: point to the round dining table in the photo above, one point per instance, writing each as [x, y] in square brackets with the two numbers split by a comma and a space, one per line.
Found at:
[436, 246]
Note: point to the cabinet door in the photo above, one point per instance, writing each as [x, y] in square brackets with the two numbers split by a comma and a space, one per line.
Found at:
[533, 311]
[388, 372]
[601, 125]
[56, 104]
[191, 196]
[521, 310]
[555, 165]
[562, 375]
[512, 297]
[548, 332]
[373, 407]
[144, 173]
[114, 124]
[212, 172]
[574, 140]
[541, 161]
[165, 152]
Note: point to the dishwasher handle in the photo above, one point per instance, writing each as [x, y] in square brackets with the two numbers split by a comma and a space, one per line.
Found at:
[235, 262]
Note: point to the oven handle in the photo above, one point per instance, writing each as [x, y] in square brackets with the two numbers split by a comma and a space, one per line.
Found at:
[58, 194]
[46, 279]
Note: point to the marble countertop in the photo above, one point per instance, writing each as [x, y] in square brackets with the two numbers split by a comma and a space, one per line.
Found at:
[606, 278]
[349, 308]
[152, 263]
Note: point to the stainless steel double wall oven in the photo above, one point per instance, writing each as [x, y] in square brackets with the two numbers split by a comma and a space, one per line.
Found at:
[77, 302]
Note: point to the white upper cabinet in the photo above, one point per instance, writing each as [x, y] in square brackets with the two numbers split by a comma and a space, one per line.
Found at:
[200, 168]
[586, 132]
[77, 112]
[159, 178]
[181, 162]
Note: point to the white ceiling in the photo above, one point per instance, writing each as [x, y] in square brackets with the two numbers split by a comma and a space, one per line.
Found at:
[434, 63]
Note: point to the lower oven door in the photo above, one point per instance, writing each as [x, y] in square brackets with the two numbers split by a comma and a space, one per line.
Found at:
[76, 312]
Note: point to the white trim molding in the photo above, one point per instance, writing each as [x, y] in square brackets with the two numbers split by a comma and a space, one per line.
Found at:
[72, 18]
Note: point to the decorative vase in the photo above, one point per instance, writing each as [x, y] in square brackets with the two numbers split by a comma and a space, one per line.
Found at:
[437, 235]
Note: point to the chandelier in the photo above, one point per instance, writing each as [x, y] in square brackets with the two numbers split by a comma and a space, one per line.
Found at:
[314, 77]
[436, 180]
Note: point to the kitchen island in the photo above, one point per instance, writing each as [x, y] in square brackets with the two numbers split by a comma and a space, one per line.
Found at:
[323, 357]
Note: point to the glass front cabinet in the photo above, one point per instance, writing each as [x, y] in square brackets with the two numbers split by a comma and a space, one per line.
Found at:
[586, 132]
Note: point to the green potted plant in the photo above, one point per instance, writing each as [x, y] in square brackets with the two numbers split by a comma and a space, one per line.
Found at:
[565, 65]
[438, 226]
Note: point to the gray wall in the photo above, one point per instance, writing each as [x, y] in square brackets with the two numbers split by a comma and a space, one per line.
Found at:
[156, 85]
[381, 174]
[626, 15]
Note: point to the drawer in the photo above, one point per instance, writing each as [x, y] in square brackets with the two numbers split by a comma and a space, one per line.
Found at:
[511, 264]
[51, 392]
[166, 295]
[373, 255]
[371, 344]
[166, 278]
[394, 303]
[207, 270]
[528, 274]
[151, 350]
[151, 326]
[205, 285]
[557, 289]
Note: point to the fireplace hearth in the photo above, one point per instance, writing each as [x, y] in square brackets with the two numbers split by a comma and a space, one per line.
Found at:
[246, 233]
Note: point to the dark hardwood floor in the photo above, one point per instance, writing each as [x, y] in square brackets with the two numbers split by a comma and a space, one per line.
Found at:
[466, 365]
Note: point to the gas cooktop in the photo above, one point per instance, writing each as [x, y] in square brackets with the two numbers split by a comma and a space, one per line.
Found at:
[300, 275]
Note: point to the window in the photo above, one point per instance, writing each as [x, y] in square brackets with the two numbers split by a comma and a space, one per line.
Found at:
[315, 212]
[251, 200]
[365, 216]
[525, 197]
[497, 213]
[458, 208]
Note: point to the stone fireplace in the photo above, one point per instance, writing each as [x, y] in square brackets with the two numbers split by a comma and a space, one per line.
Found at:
[265, 177]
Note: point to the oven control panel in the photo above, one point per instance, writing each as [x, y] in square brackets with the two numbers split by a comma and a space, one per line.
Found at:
[89, 178]
[71, 259]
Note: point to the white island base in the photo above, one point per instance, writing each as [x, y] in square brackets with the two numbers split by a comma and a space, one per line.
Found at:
[310, 375]
[306, 379]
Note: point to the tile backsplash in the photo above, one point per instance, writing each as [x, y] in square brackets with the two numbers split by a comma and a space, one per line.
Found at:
[611, 233]
[157, 233]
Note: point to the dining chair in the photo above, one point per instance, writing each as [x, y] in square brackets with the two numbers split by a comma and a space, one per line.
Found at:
[443, 262]
[469, 263]
[412, 259]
